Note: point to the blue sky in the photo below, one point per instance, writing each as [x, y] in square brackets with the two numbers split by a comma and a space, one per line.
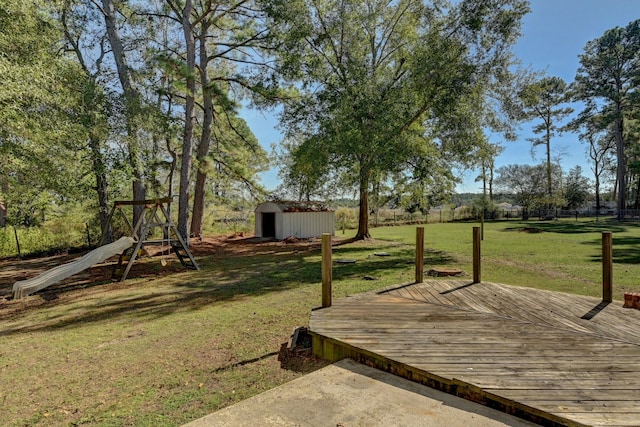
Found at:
[554, 34]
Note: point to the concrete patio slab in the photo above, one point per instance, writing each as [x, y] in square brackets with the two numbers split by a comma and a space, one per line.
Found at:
[348, 394]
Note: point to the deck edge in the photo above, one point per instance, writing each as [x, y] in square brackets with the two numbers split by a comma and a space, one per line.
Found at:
[333, 350]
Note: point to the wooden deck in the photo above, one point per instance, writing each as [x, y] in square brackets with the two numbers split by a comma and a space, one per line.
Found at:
[552, 358]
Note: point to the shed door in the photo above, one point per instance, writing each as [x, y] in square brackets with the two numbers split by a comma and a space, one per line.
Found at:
[268, 224]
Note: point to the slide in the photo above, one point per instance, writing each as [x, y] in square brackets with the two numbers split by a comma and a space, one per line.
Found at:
[23, 288]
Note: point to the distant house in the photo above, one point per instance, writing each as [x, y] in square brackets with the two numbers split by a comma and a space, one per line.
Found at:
[284, 219]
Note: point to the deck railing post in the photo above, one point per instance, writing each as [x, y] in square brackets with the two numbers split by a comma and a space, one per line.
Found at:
[476, 255]
[607, 266]
[326, 270]
[419, 254]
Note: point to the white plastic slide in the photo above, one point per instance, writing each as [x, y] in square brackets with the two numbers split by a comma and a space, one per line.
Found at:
[23, 288]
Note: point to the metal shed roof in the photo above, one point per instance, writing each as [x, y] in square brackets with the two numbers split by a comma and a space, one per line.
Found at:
[294, 206]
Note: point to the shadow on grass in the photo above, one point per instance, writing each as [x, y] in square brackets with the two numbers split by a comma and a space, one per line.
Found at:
[626, 250]
[245, 362]
[400, 260]
[627, 255]
[571, 227]
[221, 279]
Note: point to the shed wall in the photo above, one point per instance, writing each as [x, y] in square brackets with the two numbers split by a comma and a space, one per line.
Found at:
[305, 224]
[279, 225]
[258, 224]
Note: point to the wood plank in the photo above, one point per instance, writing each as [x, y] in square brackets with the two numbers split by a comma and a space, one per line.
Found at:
[539, 306]
[534, 359]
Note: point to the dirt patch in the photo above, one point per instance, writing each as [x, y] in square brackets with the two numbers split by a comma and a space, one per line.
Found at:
[531, 230]
[296, 355]
[445, 272]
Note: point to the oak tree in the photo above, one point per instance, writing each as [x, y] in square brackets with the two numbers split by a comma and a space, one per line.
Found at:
[386, 84]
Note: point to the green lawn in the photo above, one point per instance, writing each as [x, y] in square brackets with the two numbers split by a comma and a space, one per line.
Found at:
[161, 351]
[165, 350]
[562, 255]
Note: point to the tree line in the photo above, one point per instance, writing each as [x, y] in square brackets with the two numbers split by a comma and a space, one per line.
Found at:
[108, 99]
[397, 102]
[114, 99]
[606, 84]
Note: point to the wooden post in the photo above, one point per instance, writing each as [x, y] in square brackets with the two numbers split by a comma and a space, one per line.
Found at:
[607, 266]
[419, 254]
[476, 255]
[326, 270]
[15, 233]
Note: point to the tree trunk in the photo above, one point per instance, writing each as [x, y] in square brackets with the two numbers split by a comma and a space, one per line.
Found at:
[199, 192]
[636, 203]
[597, 187]
[491, 167]
[549, 183]
[484, 179]
[132, 104]
[621, 166]
[187, 142]
[89, 122]
[4, 189]
[172, 169]
[363, 217]
[102, 186]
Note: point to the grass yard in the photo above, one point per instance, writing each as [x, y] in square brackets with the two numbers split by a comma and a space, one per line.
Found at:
[562, 255]
[166, 349]
[169, 346]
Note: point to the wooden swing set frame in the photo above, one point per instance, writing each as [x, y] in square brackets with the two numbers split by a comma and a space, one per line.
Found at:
[154, 214]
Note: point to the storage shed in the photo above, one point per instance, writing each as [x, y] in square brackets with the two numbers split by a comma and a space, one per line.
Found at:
[284, 219]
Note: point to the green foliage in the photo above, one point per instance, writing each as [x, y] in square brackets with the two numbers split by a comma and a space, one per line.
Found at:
[601, 147]
[541, 101]
[237, 158]
[38, 240]
[576, 188]
[305, 172]
[70, 129]
[607, 81]
[346, 218]
[525, 183]
[386, 85]
[44, 162]
[483, 206]
[64, 228]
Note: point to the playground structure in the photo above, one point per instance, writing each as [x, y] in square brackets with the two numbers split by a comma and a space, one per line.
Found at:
[23, 288]
[153, 216]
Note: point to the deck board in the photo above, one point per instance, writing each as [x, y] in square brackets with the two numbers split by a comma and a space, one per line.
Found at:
[526, 351]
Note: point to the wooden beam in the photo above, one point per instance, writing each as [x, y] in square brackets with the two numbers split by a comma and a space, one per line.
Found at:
[142, 202]
[326, 270]
[476, 255]
[607, 266]
[419, 254]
